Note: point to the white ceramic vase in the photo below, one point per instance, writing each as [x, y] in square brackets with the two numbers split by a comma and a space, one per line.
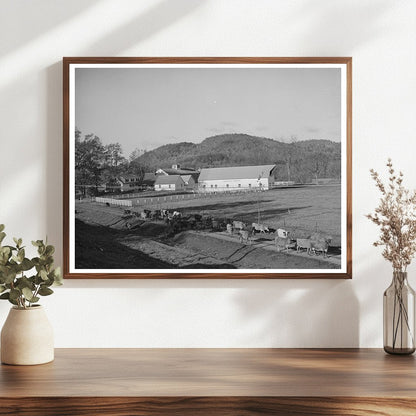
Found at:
[27, 337]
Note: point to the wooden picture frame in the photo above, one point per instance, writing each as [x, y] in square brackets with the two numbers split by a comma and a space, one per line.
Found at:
[279, 159]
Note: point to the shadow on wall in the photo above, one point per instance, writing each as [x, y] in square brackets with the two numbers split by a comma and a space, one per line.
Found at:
[45, 16]
[337, 18]
[301, 313]
[147, 24]
[156, 18]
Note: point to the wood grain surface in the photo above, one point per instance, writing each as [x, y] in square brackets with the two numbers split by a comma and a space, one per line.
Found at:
[212, 381]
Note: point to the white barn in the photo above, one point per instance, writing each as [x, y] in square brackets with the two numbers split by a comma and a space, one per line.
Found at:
[169, 183]
[236, 178]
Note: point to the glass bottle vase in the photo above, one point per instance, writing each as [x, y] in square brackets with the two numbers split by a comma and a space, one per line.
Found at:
[399, 316]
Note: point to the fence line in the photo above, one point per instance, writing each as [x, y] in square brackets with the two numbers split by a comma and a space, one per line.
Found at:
[156, 200]
[111, 201]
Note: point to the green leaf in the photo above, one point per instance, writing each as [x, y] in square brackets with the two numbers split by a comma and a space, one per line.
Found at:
[5, 295]
[41, 249]
[2, 236]
[5, 250]
[3, 259]
[2, 288]
[38, 280]
[17, 241]
[21, 255]
[37, 243]
[2, 227]
[13, 302]
[26, 264]
[27, 293]
[15, 294]
[24, 282]
[45, 291]
[43, 274]
[8, 276]
[49, 250]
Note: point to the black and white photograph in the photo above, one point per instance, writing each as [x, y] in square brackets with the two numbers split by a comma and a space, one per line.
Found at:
[214, 168]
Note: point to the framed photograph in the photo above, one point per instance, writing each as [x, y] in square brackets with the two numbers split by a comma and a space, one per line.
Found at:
[207, 168]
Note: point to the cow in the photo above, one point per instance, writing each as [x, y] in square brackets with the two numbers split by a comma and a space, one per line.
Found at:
[207, 221]
[215, 225]
[191, 222]
[239, 225]
[229, 228]
[302, 243]
[245, 237]
[155, 215]
[321, 245]
[145, 214]
[282, 233]
[282, 243]
[261, 228]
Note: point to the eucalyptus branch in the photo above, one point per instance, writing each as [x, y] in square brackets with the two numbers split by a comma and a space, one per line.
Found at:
[16, 284]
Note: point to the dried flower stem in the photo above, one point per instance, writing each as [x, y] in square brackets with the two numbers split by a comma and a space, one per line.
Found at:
[396, 217]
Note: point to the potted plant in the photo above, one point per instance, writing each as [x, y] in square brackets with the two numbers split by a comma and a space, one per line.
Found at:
[27, 336]
[396, 217]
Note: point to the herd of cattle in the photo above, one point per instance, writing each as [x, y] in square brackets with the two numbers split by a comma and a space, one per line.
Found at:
[283, 241]
[313, 244]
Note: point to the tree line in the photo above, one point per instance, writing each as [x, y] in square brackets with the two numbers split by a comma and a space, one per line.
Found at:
[97, 164]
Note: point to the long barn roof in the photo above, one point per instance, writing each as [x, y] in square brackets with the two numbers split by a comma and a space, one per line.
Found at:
[236, 172]
[167, 179]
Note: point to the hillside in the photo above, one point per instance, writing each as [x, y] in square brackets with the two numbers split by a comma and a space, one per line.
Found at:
[301, 161]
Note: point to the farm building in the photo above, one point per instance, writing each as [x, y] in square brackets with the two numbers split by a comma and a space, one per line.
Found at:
[123, 183]
[176, 170]
[149, 179]
[190, 183]
[130, 181]
[114, 185]
[189, 175]
[169, 183]
[236, 178]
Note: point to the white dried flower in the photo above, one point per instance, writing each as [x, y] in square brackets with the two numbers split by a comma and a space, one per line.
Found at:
[396, 217]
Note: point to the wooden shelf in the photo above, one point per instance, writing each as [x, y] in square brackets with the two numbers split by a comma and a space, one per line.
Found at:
[212, 382]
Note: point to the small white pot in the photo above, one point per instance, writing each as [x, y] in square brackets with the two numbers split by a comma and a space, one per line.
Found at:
[27, 337]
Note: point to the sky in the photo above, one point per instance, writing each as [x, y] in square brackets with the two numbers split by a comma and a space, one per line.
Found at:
[148, 107]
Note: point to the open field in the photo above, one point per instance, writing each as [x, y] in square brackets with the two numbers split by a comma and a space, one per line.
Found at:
[300, 210]
[103, 238]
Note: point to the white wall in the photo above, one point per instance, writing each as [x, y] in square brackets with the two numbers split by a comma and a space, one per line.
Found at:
[380, 35]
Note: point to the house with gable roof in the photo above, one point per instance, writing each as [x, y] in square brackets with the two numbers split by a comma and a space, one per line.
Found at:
[169, 183]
